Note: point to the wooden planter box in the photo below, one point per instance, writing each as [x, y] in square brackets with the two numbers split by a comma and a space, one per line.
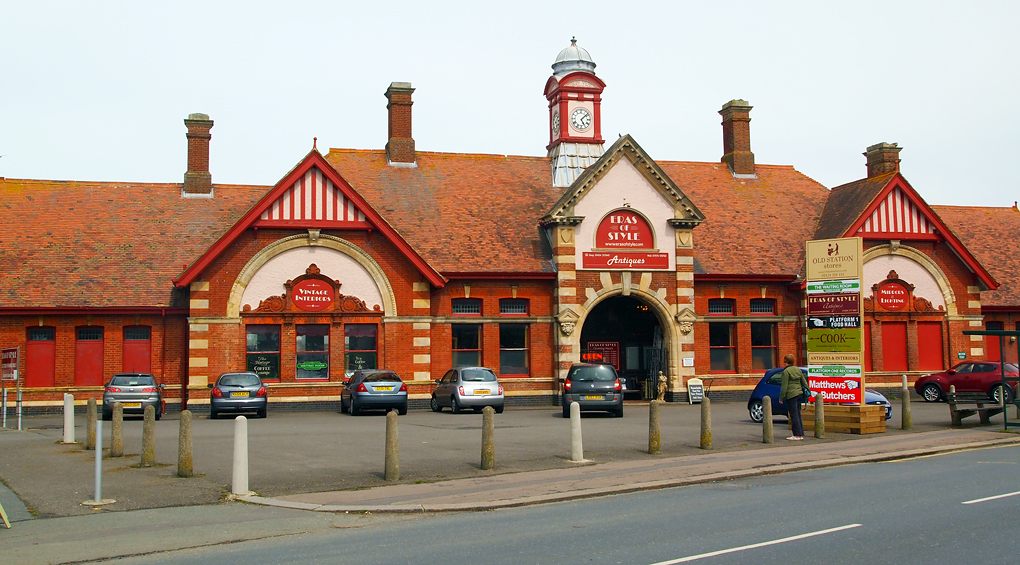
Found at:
[844, 419]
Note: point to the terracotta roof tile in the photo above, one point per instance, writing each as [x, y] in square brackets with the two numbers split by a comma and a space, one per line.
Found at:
[993, 236]
[846, 204]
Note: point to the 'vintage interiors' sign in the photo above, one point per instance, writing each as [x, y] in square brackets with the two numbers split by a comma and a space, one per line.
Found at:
[313, 295]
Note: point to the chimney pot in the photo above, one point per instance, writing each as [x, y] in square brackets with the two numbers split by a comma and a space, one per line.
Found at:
[198, 179]
[400, 144]
[736, 124]
[883, 158]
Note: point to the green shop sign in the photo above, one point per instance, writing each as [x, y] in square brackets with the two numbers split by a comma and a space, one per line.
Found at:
[312, 365]
[834, 287]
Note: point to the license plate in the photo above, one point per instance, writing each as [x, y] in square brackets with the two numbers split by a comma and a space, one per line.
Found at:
[132, 405]
[482, 391]
[593, 397]
[245, 393]
[383, 388]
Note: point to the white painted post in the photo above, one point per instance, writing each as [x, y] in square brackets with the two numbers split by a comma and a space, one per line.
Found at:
[239, 484]
[99, 461]
[576, 448]
[68, 418]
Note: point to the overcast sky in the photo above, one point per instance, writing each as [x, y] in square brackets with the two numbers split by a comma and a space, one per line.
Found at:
[99, 90]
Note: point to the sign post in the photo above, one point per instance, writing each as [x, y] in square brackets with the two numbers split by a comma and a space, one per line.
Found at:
[9, 372]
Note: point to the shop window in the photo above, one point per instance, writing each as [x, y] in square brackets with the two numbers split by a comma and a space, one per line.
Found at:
[360, 347]
[722, 347]
[312, 351]
[467, 345]
[264, 351]
[467, 307]
[763, 346]
[513, 349]
[761, 306]
[720, 307]
[136, 355]
[41, 357]
[513, 307]
[88, 356]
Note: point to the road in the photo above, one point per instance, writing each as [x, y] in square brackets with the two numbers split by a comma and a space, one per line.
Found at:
[933, 510]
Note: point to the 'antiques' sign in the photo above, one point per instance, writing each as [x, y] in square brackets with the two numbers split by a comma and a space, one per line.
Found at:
[624, 261]
[313, 295]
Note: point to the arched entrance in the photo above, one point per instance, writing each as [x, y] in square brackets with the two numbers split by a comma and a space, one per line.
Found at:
[625, 331]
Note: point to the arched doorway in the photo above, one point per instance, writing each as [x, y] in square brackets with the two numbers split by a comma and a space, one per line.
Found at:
[625, 331]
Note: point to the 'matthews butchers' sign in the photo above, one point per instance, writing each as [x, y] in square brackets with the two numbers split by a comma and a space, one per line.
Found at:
[617, 240]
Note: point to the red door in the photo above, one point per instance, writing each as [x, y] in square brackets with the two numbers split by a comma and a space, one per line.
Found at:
[929, 346]
[992, 350]
[867, 347]
[88, 356]
[137, 356]
[40, 357]
[894, 346]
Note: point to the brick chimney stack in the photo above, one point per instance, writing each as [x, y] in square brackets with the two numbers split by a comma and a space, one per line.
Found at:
[737, 137]
[883, 158]
[400, 146]
[198, 179]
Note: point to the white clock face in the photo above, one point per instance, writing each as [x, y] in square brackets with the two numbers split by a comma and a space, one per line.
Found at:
[580, 119]
[556, 124]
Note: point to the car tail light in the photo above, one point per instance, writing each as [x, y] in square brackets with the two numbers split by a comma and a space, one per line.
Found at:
[461, 389]
[501, 390]
[261, 391]
[112, 389]
[403, 387]
[617, 386]
[217, 392]
[566, 385]
[362, 388]
[149, 389]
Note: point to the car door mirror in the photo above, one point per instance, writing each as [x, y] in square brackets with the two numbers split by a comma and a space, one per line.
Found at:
[162, 386]
[210, 385]
[951, 372]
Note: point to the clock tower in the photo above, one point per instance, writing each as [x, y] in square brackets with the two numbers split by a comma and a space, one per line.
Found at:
[575, 119]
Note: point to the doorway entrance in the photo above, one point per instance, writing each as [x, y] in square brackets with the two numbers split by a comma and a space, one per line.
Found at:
[625, 332]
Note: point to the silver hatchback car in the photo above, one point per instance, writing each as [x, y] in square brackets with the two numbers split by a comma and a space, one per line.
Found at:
[238, 392]
[134, 391]
[373, 389]
[467, 387]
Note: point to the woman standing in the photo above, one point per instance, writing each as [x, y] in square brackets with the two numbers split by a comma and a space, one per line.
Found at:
[794, 385]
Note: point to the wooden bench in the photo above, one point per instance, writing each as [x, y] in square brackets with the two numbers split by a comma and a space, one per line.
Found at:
[983, 406]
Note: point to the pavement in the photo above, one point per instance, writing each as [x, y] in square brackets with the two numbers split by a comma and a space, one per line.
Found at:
[47, 486]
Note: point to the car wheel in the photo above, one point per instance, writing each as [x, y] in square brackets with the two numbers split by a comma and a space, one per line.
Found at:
[619, 412]
[355, 410]
[159, 414]
[757, 412]
[499, 409]
[566, 410]
[454, 407]
[213, 414]
[402, 411]
[434, 404]
[261, 413]
[998, 391]
[931, 393]
[477, 409]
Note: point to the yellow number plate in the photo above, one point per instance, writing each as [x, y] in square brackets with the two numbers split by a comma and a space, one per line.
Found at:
[593, 397]
[482, 391]
[383, 388]
[245, 393]
[132, 405]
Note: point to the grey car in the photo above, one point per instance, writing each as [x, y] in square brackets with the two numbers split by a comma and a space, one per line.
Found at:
[134, 391]
[467, 387]
[373, 389]
[593, 386]
[238, 392]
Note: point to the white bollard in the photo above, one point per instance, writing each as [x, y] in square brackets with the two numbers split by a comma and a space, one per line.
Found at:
[239, 485]
[68, 418]
[576, 448]
[99, 461]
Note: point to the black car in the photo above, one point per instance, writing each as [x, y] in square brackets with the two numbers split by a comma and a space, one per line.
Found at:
[593, 387]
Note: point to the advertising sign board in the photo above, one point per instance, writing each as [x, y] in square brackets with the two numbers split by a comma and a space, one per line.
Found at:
[9, 364]
[833, 259]
[609, 351]
[624, 260]
[834, 339]
[834, 304]
[837, 383]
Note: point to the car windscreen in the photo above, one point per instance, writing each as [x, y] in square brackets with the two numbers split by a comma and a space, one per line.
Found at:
[381, 377]
[239, 380]
[597, 373]
[133, 381]
[479, 375]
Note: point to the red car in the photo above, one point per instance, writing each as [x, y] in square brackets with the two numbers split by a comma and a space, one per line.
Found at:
[969, 376]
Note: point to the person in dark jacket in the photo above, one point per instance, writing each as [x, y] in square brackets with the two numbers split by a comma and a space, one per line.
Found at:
[794, 385]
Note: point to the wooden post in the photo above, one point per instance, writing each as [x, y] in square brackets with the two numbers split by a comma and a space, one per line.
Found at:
[767, 431]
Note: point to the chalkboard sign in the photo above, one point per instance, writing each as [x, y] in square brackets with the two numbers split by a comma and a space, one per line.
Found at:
[695, 391]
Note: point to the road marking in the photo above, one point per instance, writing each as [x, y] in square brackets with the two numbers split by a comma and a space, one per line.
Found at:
[756, 545]
[991, 498]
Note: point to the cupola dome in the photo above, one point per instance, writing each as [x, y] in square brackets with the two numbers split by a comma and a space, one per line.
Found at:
[572, 59]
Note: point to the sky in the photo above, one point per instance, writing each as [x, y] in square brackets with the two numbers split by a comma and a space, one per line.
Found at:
[98, 91]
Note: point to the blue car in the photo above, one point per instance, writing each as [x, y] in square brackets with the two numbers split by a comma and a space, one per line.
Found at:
[770, 384]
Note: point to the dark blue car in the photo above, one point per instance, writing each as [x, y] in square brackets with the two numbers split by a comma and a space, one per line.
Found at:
[771, 383]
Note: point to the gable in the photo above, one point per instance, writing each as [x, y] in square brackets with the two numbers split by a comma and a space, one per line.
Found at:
[314, 200]
[897, 216]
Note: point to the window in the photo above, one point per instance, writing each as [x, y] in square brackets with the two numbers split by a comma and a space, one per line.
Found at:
[722, 348]
[264, 351]
[467, 307]
[763, 346]
[763, 306]
[720, 306]
[40, 357]
[360, 349]
[136, 355]
[513, 307]
[467, 345]
[88, 356]
[312, 351]
[513, 349]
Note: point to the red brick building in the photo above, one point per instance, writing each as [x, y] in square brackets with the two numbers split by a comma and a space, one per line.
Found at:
[417, 261]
